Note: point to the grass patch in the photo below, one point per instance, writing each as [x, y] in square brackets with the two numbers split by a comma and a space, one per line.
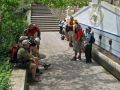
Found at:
[5, 73]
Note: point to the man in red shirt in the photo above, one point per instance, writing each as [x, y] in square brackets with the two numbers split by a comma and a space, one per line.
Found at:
[77, 42]
[33, 30]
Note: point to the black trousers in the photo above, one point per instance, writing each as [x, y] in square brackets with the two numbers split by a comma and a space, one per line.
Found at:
[88, 51]
[61, 29]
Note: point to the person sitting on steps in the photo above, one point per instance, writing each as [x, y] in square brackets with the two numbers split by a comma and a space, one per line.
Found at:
[26, 61]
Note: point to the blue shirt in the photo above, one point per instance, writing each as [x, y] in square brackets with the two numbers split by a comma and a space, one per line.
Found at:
[88, 36]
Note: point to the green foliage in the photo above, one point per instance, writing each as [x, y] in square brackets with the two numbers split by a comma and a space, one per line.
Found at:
[5, 72]
[13, 14]
[62, 3]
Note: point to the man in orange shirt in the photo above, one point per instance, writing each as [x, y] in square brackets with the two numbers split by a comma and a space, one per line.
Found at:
[70, 32]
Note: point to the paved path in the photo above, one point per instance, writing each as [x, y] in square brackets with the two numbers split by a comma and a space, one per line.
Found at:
[70, 75]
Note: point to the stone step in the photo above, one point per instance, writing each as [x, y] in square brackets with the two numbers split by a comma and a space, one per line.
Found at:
[45, 21]
[51, 16]
[38, 5]
[38, 8]
[41, 12]
[49, 30]
[44, 25]
[44, 18]
[38, 14]
[49, 27]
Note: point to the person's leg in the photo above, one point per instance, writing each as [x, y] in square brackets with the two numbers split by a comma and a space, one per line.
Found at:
[90, 58]
[61, 28]
[89, 53]
[75, 57]
[86, 53]
[33, 68]
[79, 57]
[70, 40]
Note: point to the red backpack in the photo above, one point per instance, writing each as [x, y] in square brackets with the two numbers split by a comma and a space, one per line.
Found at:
[13, 53]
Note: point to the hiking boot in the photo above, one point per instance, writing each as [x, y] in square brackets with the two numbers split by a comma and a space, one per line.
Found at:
[46, 66]
[70, 44]
[79, 57]
[38, 71]
[74, 59]
[62, 37]
[89, 61]
[36, 79]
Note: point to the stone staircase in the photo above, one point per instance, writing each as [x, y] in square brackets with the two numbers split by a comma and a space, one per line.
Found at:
[42, 16]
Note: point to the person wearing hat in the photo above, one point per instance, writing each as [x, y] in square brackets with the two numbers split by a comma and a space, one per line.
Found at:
[70, 32]
[77, 40]
[33, 30]
[25, 59]
[88, 45]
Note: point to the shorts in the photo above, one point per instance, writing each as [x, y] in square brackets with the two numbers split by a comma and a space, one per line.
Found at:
[77, 46]
[70, 33]
[24, 65]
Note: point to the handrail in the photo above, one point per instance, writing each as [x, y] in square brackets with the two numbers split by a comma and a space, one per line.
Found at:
[109, 38]
[108, 46]
[101, 30]
[114, 51]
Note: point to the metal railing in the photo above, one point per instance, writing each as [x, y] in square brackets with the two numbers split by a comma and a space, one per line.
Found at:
[106, 40]
[113, 2]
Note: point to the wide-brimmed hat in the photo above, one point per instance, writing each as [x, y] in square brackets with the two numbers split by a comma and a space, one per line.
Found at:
[25, 42]
[37, 40]
[23, 38]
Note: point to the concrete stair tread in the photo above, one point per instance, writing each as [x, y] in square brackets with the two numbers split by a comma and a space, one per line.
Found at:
[37, 14]
[51, 30]
[42, 16]
[39, 21]
[46, 21]
[48, 25]
[41, 12]
[42, 24]
[42, 19]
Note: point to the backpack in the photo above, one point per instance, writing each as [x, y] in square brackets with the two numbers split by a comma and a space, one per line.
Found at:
[92, 39]
[13, 53]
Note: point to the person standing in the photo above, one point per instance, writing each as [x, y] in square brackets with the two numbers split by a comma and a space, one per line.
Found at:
[88, 45]
[77, 39]
[70, 32]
